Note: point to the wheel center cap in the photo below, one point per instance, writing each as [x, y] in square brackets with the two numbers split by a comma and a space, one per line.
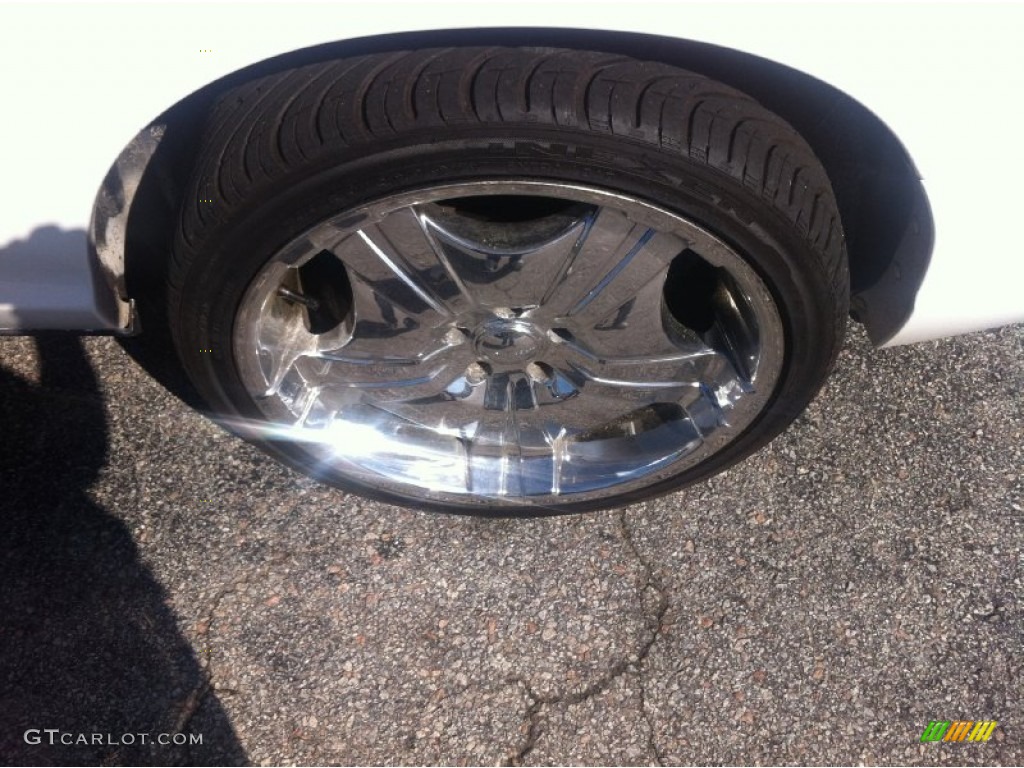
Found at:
[507, 341]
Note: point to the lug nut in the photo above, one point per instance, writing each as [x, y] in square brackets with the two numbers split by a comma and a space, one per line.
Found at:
[297, 298]
[537, 372]
[476, 372]
[454, 337]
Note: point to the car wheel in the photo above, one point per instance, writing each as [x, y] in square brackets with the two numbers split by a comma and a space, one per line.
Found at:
[506, 280]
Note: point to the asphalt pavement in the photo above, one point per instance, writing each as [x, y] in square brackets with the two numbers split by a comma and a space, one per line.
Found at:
[820, 603]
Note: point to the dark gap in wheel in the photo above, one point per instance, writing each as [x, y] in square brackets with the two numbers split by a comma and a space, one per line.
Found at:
[325, 280]
[547, 370]
[634, 423]
[508, 209]
[689, 292]
[564, 333]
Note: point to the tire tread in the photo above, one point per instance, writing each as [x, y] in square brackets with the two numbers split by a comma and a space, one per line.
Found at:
[271, 129]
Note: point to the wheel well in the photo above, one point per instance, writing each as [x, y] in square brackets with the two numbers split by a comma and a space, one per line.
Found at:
[885, 213]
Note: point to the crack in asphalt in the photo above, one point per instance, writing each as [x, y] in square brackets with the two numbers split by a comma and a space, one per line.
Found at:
[655, 625]
[193, 702]
[533, 716]
[190, 707]
[195, 698]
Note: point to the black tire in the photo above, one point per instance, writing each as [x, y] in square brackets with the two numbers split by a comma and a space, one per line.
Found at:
[285, 152]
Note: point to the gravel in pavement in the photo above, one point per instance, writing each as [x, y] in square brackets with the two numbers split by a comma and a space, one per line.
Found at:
[819, 603]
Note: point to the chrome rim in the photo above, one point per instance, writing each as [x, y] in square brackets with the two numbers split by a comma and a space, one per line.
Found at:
[516, 342]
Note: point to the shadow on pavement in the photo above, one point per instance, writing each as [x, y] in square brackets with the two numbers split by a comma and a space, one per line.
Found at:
[88, 644]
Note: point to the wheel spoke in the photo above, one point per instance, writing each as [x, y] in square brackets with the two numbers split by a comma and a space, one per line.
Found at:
[506, 264]
[381, 328]
[374, 258]
[665, 371]
[284, 340]
[589, 402]
[391, 381]
[662, 365]
[613, 261]
[495, 451]
[382, 334]
[637, 328]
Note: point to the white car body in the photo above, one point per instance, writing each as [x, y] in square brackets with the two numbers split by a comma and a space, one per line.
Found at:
[81, 80]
